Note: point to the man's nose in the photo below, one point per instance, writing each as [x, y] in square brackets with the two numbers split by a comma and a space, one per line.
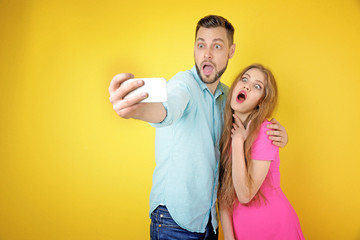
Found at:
[208, 54]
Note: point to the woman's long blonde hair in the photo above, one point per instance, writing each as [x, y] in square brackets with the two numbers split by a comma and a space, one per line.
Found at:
[226, 193]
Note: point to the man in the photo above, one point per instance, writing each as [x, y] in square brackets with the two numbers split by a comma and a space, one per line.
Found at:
[188, 130]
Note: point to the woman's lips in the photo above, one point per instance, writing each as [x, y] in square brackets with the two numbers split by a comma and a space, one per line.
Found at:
[241, 96]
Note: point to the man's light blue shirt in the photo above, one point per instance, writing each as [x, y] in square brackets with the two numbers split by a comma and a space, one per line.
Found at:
[187, 151]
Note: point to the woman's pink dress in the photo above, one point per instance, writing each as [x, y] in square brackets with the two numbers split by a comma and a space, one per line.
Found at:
[275, 218]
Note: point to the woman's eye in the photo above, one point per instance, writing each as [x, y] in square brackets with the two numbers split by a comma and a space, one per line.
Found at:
[258, 86]
[244, 79]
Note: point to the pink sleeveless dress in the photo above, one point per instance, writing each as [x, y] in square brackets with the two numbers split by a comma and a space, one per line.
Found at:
[275, 218]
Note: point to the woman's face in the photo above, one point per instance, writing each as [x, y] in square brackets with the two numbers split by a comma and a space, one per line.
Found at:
[248, 92]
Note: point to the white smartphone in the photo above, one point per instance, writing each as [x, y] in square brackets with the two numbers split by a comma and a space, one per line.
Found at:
[155, 87]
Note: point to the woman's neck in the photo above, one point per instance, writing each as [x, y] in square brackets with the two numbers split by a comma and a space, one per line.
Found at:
[242, 116]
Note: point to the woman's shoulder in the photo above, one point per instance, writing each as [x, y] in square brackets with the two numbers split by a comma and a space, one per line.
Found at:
[262, 148]
[263, 127]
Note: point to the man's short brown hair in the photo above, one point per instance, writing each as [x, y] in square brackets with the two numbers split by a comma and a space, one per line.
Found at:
[212, 21]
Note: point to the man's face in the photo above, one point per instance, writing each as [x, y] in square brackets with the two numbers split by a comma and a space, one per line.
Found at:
[212, 52]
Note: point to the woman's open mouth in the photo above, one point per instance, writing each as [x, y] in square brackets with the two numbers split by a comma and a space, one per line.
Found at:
[241, 97]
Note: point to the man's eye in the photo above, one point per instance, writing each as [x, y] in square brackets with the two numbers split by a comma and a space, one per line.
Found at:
[217, 46]
[201, 45]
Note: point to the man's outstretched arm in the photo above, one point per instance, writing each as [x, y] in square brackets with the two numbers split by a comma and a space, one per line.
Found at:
[132, 107]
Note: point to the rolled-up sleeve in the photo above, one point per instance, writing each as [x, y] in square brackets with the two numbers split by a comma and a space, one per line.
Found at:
[178, 99]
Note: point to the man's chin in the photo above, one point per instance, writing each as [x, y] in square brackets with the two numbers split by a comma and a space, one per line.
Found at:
[209, 79]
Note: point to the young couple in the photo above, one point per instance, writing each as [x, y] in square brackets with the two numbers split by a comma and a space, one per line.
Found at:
[212, 144]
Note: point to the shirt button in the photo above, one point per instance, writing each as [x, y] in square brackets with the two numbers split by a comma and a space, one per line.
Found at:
[161, 215]
[159, 225]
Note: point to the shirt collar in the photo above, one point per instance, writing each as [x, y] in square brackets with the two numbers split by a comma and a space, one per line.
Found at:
[219, 89]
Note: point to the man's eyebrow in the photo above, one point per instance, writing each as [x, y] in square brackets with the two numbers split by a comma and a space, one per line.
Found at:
[218, 39]
[214, 40]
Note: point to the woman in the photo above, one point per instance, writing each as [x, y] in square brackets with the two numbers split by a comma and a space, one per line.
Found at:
[251, 202]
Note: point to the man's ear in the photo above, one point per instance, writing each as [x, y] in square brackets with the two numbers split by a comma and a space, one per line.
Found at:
[232, 50]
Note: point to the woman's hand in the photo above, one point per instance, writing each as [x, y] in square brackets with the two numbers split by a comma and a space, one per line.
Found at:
[238, 132]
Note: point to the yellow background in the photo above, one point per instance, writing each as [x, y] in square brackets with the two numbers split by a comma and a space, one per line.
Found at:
[70, 168]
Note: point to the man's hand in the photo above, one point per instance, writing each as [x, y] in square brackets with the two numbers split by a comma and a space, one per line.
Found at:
[278, 134]
[125, 108]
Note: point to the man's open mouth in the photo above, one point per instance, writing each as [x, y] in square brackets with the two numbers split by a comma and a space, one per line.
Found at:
[207, 68]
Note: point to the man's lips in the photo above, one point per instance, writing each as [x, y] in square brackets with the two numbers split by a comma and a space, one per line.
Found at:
[207, 68]
[241, 96]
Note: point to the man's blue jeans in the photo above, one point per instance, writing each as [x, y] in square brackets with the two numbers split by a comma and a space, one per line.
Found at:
[164, 227]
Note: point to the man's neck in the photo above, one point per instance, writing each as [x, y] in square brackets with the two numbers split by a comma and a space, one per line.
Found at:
[212, 87]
